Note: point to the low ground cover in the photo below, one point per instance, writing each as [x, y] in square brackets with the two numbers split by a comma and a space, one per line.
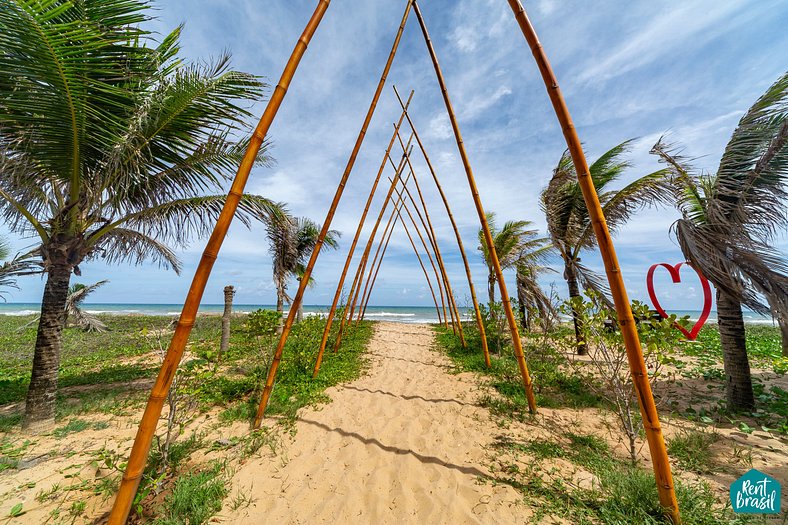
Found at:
[70, 474]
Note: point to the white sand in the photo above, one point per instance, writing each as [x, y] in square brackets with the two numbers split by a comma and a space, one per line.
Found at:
[403, 444]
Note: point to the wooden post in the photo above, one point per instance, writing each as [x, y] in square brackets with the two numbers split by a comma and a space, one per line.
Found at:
[150, 418]
[637, 365]
[479, 320]
[351, 251]
[434, 240]
[299, 296]
[518, 346]
[229, 292]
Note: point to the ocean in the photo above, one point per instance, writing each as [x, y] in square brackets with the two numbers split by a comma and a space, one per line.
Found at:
[401, 314]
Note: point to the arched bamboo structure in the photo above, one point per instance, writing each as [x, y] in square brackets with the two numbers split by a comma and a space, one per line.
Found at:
[139, 450]
[351, 251]
[418, 257]
[637, 365]
[434, 240]
[472, 288]
[518, 346]
[362, 266]
[442, 276]
[400, 197]
[357, 280]
[141, 446]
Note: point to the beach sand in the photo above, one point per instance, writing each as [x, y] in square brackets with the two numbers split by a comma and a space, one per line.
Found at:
[403, 444]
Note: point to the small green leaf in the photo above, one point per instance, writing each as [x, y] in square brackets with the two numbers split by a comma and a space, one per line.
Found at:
[16, 511]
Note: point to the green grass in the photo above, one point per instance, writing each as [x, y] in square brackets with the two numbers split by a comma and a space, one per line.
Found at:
[195, 498]
[621, 493]
[553, 386]
[692, 451]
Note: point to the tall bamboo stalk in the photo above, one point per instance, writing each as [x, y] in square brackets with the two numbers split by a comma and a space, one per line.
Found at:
[518, 347]
[371, 282]
[351, 251]
[479, 320]
[357, 279]
[299, 296]
[637, 365]
[421, 263]
[436, 248]
[139, 450]
[442, 278]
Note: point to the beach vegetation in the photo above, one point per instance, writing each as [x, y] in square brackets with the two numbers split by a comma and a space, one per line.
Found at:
[569, 225]
[728, 222]
[110, 146]
[292, 241]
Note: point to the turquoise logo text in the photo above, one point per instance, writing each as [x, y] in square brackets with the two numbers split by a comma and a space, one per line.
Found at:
[756, 493]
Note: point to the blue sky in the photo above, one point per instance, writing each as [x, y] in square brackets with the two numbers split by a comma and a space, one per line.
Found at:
[627, 69]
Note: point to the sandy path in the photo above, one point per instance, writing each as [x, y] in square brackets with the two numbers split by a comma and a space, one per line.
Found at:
[403, 444]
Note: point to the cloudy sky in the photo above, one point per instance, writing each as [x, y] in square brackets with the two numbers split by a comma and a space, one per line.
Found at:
[627, 69]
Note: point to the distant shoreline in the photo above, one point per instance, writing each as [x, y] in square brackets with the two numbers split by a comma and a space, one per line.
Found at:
[404, 314]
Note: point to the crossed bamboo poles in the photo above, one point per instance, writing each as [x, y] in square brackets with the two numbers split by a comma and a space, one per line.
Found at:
[141, 446]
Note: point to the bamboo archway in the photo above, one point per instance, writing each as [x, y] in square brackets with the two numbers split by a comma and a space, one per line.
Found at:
[139, 452]
[351, 251]
[637, 365]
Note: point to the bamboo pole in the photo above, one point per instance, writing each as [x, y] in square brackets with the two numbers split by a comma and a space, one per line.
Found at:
[436, 248]
[648, 409]
[518, 347]
[139, 451]
[299, 296]
[442, 278]
[358, 279]
[364, 302]
[421, 263]
[375, 269]
[479, 320]
[351, 251]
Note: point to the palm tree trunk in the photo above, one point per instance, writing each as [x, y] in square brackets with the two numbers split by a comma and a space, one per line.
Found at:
[300, 311]
[738, 383]
[40, 401]
[491, 287]
[280, 307]
[574, 291]
[229, 292]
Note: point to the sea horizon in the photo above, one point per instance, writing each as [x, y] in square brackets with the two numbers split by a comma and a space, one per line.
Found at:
[403, 314]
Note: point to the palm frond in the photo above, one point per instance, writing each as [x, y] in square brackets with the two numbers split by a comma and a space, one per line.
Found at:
[751, 188]
[180, 220]
[126, 245]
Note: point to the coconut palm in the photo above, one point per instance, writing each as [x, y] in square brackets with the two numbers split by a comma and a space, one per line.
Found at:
[109, 146]
[530, 295]
[75, 315]
[292, 241]
[513, 243]
[728, 221]
[569, 225]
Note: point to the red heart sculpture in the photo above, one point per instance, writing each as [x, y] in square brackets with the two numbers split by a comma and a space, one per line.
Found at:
[674, 274]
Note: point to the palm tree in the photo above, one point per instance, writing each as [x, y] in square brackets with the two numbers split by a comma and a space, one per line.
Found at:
[292, 241]
[728, 221]
[77, 293]
[530, 295]
[513, 243]
[109, 146]
[570, 227]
